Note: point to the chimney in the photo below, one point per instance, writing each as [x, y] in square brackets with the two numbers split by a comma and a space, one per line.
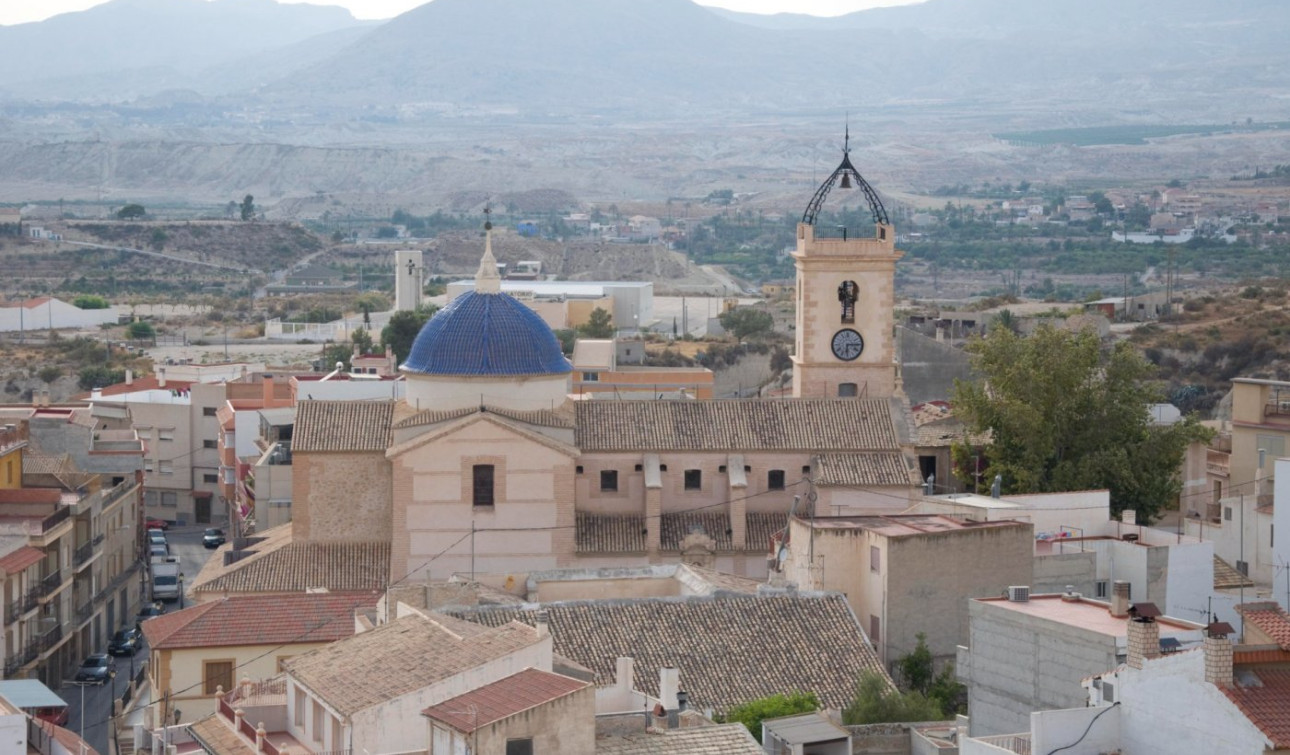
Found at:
[669, 683]
[542, 623]
[1218, 654]
[1120, 599]
[1144, 634]
[1129, 516]
[96, 394]
[267, 384]
[129, 376]
[1070, 596]
[625, 675]
[161, 377]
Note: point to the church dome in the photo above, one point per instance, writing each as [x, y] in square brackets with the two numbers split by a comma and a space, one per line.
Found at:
[486, 333]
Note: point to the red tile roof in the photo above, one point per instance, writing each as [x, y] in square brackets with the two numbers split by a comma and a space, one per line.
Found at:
[502, 699]
[1247, 657]
[147, 383]
[20, 559]
[259, 620]
[1272, 622]
[31, 495]
[1266, 705]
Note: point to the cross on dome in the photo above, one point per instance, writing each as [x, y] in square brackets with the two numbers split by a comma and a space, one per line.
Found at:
[487, 280]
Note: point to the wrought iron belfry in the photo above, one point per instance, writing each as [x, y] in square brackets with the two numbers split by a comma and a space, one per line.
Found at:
[847, 174]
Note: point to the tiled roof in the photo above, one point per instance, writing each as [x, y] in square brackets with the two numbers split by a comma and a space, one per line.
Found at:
[783, 643]
[218, 737]
[280, 565]
[1226, 576]
[502, 699]
[543, 417]
[858, 470]
[26, 556]
[740, 424]
[725, 739]
[342, 426]
[486, 334]
[397, 658]
[1266, 704]
[625, 533]
[259, 620]
[1272, 621]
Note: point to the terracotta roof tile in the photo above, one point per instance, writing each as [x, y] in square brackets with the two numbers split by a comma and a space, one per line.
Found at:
[609, 533]
[399, 657]
[779, 640]
[560, 418]
[743, 424]
[217, 737]
[858, 470]
[491, 703]
[26, 556]
[625, 533]
[1240, 657]
[260, 620]
[1271, 621]
[281, 565]
[725, 739]
[342, 426]
[1266, 704]
[1227, 577]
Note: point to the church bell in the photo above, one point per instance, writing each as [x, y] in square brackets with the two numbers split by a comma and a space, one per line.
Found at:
[846, 181]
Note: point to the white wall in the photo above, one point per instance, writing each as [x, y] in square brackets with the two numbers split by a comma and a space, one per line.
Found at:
[246, 426]
[1189, 582]
[350, 390]
[1053, 729]
[61, 314]
[1281, 522]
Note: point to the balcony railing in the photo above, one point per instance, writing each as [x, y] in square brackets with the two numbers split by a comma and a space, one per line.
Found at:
[1279, 407]
[83, 553]
[50, 583]
[84, 611]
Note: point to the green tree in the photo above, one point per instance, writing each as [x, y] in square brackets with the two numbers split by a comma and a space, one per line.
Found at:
[876, 702]
[402, 330]
[1064, 414]
[916, 672]
[362, 341]
[567, 338]
[248, 207]
[90, 378]
[751, 714]
[90, 301]
[746, 322]
[599, 324]
[49, 373]
[140, 330]
[131, 212]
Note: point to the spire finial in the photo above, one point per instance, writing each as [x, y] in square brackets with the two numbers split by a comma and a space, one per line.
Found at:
[487, 281]
[846, 143]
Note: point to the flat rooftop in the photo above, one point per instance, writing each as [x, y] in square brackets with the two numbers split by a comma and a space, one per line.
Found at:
[901, 525]
[1093, 615]
[560, 288]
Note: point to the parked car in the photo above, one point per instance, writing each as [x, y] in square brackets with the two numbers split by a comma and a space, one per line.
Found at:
[124, 642]
[148, 611]
[156, 524]
[213, 537]
[156, 536]
[158, 549]
[97, 669]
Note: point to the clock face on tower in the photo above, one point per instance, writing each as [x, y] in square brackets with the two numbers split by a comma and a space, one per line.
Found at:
[847, 344]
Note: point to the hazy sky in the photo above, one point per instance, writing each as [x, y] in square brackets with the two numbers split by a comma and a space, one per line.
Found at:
[22, 11]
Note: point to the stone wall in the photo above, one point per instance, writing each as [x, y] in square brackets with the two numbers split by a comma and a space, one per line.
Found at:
[341, 497]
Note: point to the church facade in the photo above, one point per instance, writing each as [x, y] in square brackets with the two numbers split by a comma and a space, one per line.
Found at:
[490, 467]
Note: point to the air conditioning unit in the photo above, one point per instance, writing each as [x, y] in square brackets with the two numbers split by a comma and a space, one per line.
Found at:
[1019, 593]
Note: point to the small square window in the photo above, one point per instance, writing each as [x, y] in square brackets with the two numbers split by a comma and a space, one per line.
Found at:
[875, 558]
[165, 466]
[721, 469]
[482, 488]
[578, 469]
[848, 390]
[662, 467]
[591, 377]
[609, 480]
[775, 479]
[693, 479]
[806, 469]
[210, 479]
[639, 467]
[208, 443]
[519, 746]
[166, 433]
[208, 411]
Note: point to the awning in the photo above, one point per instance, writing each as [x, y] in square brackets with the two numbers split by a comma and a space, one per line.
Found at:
[30, 693]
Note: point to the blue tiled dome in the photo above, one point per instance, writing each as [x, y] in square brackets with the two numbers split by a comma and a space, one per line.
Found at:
[486, 334]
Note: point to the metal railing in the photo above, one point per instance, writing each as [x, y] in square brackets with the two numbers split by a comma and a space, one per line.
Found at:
[83, 553]
[53, 520]
[50, 583]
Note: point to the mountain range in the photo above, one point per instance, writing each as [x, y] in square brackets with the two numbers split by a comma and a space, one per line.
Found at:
[1089, 60]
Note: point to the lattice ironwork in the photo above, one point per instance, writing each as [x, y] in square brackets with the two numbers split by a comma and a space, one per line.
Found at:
[847, 175]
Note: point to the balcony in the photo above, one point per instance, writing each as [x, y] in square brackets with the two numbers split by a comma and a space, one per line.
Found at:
[21, 606]
[50, 584]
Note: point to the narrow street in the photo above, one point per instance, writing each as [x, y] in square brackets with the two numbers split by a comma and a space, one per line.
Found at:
[186, 544]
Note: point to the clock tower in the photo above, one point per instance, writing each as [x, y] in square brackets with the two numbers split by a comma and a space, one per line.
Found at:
[845, 297]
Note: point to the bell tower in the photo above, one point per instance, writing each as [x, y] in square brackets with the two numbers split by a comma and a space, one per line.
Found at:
[845, 296]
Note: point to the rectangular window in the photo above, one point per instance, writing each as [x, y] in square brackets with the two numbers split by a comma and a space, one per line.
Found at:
[848, 390]
[210, 479]
[1227, 513]
[875, 559]
[1102, 588]
[875, 628]
[591, 377]
[806, 469]
[1108, 692]
[693, 479]
[165, 466]
[609, 481]
[169, 499]
[775, 479]
[166, 433]
[217, 674]
[482, 475]
[639, 467]
[519, 746]
[209, 411]
[208, 443]
[300, 708]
